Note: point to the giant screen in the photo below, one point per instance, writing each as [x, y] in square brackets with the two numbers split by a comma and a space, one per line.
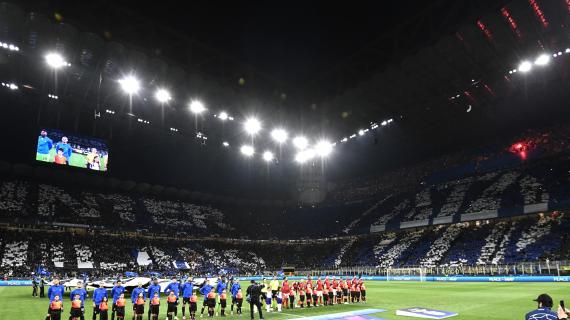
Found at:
[68, 149]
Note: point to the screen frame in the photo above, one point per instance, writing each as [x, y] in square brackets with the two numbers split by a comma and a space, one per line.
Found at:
[70, 134]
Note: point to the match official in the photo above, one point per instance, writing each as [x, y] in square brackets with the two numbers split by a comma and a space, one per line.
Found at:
[253, 295]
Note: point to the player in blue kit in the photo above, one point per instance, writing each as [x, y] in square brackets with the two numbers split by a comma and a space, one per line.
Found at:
[55, 290]
[98, 296]
[134, 297]
[152, 289]
[187, 289]
[206, 288]
[234, 291]
[116, 294]
[173, 286]
[80, 291]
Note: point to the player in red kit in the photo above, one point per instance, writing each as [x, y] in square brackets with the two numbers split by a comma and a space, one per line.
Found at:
[285, 291]
[319, 292]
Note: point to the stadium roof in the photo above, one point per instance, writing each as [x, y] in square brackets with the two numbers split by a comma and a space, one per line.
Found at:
[437, 68]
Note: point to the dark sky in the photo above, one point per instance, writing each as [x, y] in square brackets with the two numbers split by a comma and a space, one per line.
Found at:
[290, 40]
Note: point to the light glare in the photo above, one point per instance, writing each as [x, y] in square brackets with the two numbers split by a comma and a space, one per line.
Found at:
[279, 135]
[323, 148]
[223, 116]
[247, 150]
[300, 142]
[197, 107]
[267, 156]
[54, 60]
[525, 66]
[252, 126]
[130, 84]
[162, 95]
[304, 155]
[542, 60]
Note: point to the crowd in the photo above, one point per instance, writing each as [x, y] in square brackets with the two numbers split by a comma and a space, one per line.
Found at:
[489, 242]
[542, 182]
[547, 142]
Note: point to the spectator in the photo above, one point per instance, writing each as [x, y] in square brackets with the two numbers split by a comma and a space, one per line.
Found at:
[544, 310]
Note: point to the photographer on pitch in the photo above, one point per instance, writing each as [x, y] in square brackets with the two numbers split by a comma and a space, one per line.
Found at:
[253, 294]
[544, 310]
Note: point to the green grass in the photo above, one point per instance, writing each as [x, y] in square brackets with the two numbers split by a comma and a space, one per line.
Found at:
[470, 300]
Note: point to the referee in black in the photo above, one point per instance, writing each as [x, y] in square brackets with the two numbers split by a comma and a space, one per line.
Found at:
[253, 294]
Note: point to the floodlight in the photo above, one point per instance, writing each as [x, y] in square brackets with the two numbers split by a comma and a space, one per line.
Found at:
[223, 116]
[300, 142]
[226, 144]
[55, 60]
[279, 135]
[267, 156]
[525, 66]
[162, 95]
[542, 60]
[247, 150]
[197, 107]
[323, 148]
[304, 155]
[252, 126]
[361, 132]
[130, 84]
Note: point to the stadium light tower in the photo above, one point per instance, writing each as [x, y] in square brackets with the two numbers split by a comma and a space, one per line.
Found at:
[247, 150]
[279, 135]
[300, 142]
[323, 148]
[197, 107]
[130, 84]
[162, 95]
[268, 156]
[252, 126]
[55, 60]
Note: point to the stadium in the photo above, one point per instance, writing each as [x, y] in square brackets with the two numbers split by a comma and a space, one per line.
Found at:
[285, 160]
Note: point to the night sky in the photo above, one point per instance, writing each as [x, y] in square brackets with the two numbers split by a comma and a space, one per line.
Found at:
[291, 41]
[299, 43]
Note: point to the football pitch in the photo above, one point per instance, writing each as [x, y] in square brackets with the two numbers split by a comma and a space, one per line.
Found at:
[470, 300]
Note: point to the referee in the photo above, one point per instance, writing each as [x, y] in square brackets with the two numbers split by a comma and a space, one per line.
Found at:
[253, 294]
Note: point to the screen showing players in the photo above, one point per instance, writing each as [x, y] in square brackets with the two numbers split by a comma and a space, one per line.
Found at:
[68, 149]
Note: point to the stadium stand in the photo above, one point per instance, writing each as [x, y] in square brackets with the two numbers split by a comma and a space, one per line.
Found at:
[425, 216]
[508, 241]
